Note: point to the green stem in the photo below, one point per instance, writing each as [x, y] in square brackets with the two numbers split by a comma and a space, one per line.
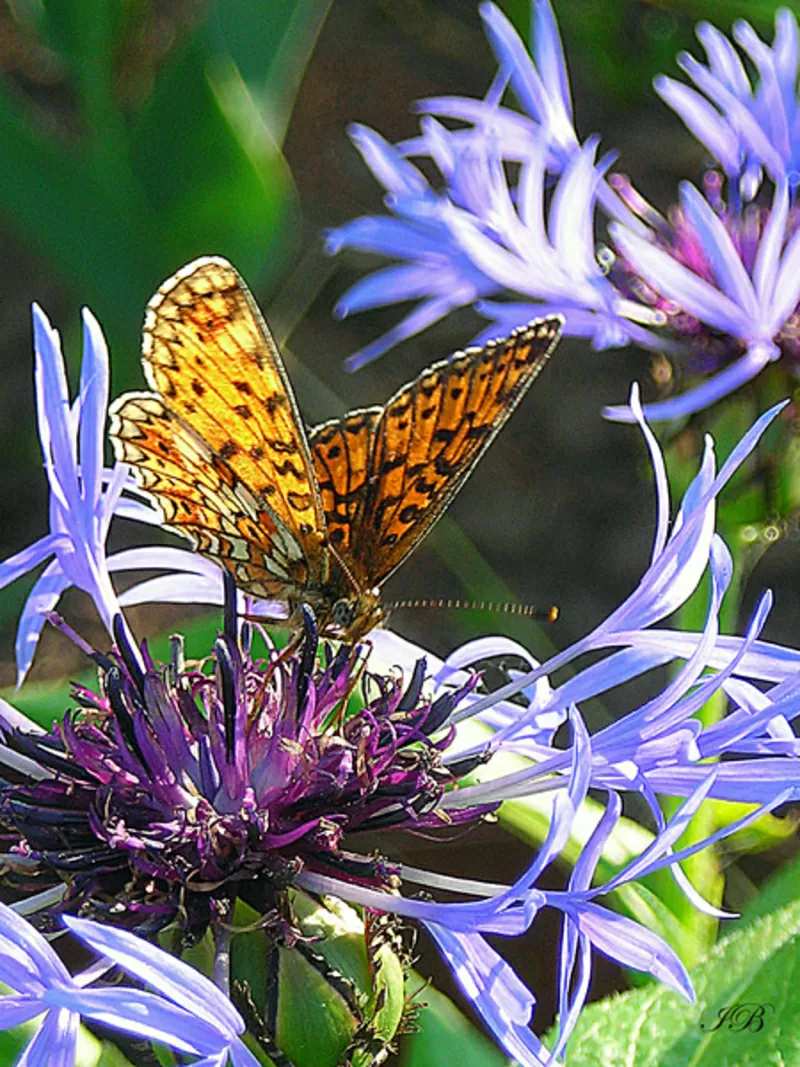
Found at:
[222, 958]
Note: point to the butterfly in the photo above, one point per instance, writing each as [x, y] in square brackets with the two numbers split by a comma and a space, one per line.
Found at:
[324, 517]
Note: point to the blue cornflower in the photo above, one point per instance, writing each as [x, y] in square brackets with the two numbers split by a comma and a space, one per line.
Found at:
[437, 272]
[186, 1012]
[257, 776]
[256, 795]
[745, 125]
[737, 276]
[267, 805]
[716, 284]
[478, 236]
[640, 753]
[83, 496]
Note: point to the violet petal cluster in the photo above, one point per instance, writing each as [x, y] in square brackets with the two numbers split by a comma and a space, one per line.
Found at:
[509, 226]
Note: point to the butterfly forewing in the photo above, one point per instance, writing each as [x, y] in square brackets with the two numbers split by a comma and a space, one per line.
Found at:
[209, 354]
[432, 433]
[221, 447]
[196, 496]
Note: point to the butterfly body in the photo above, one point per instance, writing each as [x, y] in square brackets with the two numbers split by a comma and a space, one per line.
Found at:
[321, 518]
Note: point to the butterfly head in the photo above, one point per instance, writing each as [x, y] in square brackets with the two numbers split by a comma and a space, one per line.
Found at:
[351, 618]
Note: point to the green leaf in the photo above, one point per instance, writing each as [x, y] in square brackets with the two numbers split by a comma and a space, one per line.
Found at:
[780, 890]
[350, 993]
[314, 1025]
[443, 1036]
[62, 205]
[207, 161]
[271, 45]
[389, 997]
[87, 36]
[84, 34]
[121, 206]
[748, 1005]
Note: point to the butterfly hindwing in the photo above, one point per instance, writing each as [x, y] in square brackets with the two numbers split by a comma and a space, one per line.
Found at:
[342, 451]
[201, 498]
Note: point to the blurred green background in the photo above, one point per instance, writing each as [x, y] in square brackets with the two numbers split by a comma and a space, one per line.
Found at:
[139, 134]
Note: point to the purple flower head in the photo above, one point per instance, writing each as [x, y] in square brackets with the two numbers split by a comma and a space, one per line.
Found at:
[747, 124]
[728, 283]
[174, 790]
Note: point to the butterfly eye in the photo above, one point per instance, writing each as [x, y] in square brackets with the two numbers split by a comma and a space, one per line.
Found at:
[343, 613]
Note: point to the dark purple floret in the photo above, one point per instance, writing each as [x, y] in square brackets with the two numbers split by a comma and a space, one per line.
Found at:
[175, 789]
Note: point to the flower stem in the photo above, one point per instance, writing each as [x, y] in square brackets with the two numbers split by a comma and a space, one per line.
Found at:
[222, 958]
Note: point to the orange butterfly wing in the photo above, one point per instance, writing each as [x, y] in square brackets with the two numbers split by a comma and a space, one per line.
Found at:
[221, 446]
[342, 451]
[386, 475]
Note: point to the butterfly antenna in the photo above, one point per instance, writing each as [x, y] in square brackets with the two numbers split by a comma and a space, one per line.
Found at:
[524, 610]
[347, 572]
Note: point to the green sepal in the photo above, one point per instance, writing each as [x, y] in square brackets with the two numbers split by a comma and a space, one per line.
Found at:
[334, 997]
